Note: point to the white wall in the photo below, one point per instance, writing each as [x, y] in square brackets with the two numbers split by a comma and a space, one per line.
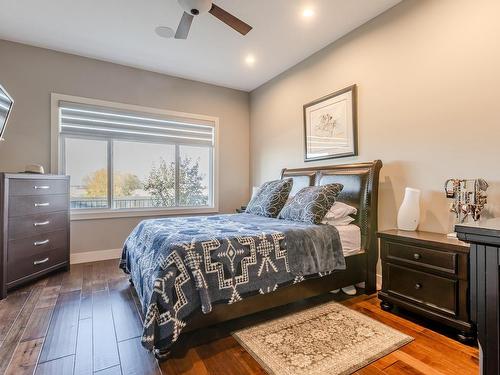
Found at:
[428, 76]
[30, 74]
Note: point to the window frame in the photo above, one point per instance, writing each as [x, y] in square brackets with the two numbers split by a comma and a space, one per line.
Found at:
[58, 149]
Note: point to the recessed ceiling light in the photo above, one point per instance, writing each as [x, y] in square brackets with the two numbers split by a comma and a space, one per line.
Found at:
[308, 12]
[164, 31]
[250, 60]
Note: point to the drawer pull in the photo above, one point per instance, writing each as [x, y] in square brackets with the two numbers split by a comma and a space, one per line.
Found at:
[417, 256]
[40, 243]
[418, 286]
[41, 261]
[41, 224]
[46, 204]
[42, 187]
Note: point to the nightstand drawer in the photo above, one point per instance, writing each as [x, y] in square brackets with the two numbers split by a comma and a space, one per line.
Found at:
[427, 258]
[36, 263]
[435, 292]
[38, 186]
[28, 226]
[27, 247]
[37, 204]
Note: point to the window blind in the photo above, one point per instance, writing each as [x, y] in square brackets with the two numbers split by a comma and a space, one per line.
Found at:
[78, 119]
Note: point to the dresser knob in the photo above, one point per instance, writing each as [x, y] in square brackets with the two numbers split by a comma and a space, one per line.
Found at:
[37, 262]
[417, 256]
[40, 243]
[418, 286]
[41, 224]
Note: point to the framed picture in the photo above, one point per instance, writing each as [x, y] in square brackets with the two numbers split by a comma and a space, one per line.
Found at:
[330, 126]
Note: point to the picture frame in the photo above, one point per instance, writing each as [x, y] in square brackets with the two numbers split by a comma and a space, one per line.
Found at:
[331, 126]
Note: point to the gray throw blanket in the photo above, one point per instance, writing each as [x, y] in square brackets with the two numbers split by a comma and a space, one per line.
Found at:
[313, 249]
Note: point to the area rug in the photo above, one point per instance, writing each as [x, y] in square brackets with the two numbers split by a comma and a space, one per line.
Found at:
[327, 339]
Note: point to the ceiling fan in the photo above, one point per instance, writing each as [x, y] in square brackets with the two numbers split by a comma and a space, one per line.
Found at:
[193, 8]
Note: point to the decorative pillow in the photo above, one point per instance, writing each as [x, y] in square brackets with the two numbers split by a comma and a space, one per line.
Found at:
[311, 204]
[270, 198]
[340, 210]
[338, 222]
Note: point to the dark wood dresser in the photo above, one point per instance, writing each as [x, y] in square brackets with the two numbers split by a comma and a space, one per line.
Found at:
[34, 227]
[427, 273]
[484, 238]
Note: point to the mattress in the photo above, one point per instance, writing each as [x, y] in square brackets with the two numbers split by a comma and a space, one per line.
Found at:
[350, 237]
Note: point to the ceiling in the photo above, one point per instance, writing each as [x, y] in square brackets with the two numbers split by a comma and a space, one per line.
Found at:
[122, 31]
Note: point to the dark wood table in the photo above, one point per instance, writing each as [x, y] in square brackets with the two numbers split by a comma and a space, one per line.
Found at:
[484, 238]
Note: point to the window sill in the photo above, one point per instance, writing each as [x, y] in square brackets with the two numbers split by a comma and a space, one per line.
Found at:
[77, 215]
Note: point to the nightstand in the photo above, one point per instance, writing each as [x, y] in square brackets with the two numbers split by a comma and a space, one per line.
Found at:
[427, 273]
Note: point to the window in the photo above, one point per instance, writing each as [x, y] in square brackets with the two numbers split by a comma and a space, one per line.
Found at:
[136, 182]
[87, 162]
[129, 159]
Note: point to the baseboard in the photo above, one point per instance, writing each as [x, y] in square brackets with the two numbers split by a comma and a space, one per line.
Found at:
[94, 256]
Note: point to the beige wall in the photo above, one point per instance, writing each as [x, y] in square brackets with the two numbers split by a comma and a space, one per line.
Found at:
[428, 76]
[30, 74]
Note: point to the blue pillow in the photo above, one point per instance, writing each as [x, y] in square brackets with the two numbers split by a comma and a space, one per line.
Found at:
[270, 198]
[311, 204]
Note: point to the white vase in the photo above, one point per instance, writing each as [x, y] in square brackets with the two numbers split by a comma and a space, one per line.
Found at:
[409, 212]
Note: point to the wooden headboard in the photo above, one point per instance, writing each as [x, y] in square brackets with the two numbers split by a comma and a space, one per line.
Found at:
[360, 190]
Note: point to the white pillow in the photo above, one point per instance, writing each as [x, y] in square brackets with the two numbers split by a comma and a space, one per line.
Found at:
[340, 210]
[339, 222]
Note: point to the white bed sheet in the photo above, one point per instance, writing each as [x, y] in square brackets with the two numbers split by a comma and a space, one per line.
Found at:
[350, 237]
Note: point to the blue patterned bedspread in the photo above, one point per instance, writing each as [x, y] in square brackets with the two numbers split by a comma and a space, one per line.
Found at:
[181, 264]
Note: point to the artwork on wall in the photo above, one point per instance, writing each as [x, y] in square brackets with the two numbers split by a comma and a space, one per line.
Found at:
[330, 126]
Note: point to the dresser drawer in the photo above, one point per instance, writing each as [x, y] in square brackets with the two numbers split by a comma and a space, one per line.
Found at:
[27, 226]
[36, 263]
[435, 292]
[31, 246]
[33, 204]
[427, 258]
[37, 187]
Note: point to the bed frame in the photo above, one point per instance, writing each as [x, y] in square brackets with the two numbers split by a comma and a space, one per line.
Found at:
[360, 190]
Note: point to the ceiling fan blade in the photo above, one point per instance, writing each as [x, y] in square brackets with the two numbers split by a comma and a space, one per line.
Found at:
[230, 20]
[184, 26]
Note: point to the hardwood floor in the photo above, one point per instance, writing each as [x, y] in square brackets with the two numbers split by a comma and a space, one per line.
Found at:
[87, 321]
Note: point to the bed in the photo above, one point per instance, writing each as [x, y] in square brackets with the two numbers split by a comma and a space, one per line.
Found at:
[193, 272]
